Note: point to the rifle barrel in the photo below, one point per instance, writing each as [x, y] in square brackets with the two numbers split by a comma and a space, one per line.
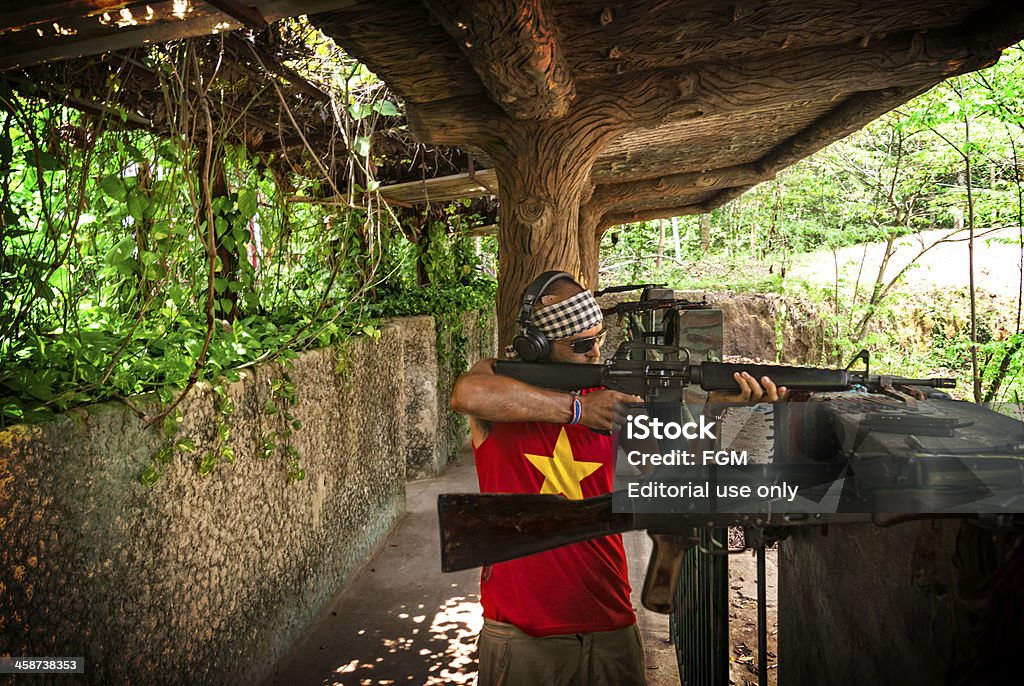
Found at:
[875, 380]
[633, 376]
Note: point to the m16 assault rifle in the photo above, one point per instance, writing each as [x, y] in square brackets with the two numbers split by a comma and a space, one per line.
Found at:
[627, 307]
[666, 379]
[630, 287]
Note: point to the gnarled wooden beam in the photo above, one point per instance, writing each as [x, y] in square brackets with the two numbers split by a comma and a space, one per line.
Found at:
[841, 121]
[905, 60]
[29, 15]
[722, 198]
[513, 48]
[712, 203]
[648, 98]
[610, 194]
[616, 218]
[997, 27]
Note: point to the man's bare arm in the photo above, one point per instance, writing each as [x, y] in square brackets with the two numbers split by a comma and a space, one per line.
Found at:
[488, 397]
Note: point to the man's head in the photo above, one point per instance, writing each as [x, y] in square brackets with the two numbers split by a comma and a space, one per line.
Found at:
[568, 317]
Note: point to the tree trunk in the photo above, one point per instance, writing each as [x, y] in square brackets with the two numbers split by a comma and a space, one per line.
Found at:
[542, 173]
[590, 232]
[975, 369]
[675, 239]
[661, 246]
[705, 234]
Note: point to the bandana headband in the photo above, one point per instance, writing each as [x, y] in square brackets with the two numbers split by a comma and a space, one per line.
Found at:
[565, 318]
[569, 317]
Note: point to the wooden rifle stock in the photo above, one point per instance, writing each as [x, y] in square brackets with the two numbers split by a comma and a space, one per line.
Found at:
[480, 529]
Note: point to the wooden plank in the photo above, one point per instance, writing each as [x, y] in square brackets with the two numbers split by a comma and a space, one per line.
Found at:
[149, 23]
[93, 35]
[443, 188]
[250, 16]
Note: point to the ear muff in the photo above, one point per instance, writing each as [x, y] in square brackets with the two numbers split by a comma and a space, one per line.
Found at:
[530, 344]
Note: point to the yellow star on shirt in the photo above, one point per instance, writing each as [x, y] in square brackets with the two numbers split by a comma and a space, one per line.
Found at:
[563, 474]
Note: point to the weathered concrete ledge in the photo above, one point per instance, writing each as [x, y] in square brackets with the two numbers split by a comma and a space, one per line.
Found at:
[209, 579]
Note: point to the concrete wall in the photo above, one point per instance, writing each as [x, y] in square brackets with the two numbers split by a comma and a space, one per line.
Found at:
[479, 338]
[435, 432]
[208, 579]
[422, 451]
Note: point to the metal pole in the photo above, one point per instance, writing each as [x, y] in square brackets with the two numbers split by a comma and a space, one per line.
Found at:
[762, 617]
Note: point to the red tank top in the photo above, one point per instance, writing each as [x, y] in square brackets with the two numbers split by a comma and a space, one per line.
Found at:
[577, 588]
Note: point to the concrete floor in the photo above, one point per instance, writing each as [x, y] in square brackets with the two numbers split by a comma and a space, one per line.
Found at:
[401, 621]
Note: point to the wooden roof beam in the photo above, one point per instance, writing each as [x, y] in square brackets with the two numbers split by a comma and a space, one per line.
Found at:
[149, 22]
[513, 47]
[610, 194]
[840, 122]
[248, 16]
[443, 188]
[997, 27]
[904, 60]
[617, 218]
[47, 12]
[712, 203]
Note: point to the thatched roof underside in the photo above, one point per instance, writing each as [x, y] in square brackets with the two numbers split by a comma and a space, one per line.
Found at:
[70, 51]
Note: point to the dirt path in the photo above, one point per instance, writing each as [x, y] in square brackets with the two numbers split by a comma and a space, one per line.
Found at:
[997, 263]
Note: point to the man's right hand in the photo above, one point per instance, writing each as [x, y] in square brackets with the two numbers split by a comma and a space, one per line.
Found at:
[604, 410]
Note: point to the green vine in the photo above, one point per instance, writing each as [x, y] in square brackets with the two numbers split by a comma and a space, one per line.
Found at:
[163, 455]
[283, 398]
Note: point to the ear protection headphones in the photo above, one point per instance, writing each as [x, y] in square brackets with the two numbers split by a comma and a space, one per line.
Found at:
[530, 343]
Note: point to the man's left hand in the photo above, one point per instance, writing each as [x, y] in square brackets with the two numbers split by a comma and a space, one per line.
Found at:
[751, 391]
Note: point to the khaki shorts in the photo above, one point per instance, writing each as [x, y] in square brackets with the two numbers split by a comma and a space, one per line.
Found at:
[508, 657]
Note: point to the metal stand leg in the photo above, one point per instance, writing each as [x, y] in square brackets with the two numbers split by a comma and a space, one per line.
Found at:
[762, 618]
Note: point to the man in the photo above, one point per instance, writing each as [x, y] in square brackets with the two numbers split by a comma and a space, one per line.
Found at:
[562, 616]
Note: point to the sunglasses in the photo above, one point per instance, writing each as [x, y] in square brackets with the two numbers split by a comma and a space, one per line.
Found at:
[581, 346]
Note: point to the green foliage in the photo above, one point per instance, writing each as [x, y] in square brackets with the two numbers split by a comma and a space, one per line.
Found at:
[283, 399]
